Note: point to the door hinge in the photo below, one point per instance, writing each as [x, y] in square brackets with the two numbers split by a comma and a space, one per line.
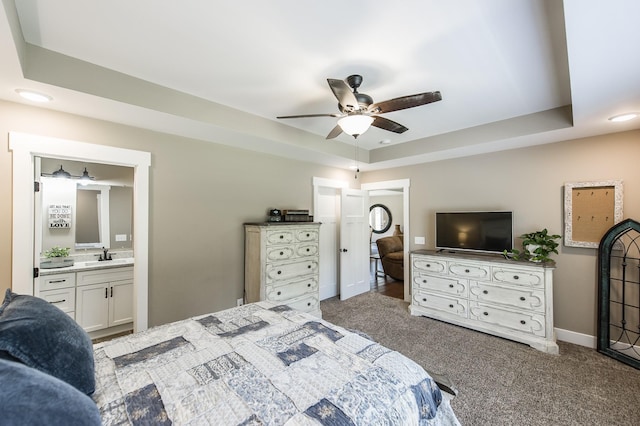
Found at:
[36, 272]
[36, 186]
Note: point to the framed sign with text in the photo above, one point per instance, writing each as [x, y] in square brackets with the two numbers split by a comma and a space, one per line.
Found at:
[60, 216]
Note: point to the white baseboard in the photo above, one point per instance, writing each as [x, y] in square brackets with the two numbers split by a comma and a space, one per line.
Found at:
[576, 338]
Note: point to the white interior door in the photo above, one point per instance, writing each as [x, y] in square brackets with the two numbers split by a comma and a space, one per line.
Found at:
[354, 243]
[37, 214]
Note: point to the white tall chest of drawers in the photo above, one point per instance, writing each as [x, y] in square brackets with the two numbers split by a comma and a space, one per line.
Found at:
[506, 298]
[282, 264]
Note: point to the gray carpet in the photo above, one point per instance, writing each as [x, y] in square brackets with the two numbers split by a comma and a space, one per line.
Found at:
[500, 382]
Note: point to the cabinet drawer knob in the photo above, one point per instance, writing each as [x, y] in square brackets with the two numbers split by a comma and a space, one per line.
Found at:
[308, 250]
[279, 293]
[466, 271]
[451, 306]
[450, 285]
[279, 272]
[308, 235]
[428, 265]
[523, 322]
[485, 313]
[515, 277]
[523, 298]
[485, 291]
[281, 253]
[424, 281]
[308, 266]
[308, 303]
[309, 285]
[424, 299]
[281, 236]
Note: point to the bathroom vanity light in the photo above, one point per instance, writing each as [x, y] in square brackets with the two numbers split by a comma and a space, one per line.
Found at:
[62, 173]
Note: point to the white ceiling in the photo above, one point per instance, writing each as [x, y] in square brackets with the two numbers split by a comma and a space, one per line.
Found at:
[512, 73]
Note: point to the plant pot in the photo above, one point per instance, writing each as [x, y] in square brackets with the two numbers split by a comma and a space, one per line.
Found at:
[531, 248]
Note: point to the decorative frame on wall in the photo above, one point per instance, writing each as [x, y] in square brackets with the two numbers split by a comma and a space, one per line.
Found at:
[590, 210]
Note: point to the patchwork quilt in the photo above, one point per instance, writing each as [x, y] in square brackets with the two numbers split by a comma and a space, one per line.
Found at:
[261, 364]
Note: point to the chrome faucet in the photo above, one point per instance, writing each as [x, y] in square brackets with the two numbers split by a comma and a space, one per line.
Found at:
[106, 255]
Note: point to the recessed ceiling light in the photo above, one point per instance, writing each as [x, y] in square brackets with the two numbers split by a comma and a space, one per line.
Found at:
[385, 141]
[624, 117]
[34, 96]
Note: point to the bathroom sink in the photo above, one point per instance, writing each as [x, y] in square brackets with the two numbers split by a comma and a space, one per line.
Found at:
[123, 261]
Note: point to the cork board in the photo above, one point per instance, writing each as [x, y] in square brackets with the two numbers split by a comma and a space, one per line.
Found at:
[591, 208]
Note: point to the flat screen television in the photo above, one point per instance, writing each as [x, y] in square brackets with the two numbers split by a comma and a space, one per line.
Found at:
[480, 231]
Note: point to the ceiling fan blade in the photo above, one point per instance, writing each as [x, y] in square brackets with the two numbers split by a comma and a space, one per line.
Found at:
[386, 124]
[335, 132]
[311, 115]
[404, 102]
[343, 93]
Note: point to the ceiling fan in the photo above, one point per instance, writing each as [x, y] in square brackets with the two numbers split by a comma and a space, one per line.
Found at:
[358, 111]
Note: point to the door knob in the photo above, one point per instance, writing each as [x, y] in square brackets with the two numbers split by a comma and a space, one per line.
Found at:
[343, 250]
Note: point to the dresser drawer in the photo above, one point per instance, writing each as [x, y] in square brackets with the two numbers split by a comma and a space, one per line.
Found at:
[470, 270]
[444, 284]
[279, 253]
[64, 298]
[292, 289]
[306, 304]
[280, 236]
[308, 249]
[57, 281]
[429, 264]
[526, 322]
[287, 271]
[518, 277]
[306, 235]
[515, 297]
[441, 303]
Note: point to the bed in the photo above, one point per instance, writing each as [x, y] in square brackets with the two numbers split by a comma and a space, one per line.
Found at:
[256, 364]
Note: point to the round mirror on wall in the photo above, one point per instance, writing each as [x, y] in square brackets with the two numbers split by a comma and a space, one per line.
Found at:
[379, 218]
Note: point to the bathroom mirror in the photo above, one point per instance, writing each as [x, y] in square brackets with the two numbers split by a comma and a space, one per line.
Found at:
[379, 218]
[100, 213]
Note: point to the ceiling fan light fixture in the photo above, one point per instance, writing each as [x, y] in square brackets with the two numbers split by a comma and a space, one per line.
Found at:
[356, 124]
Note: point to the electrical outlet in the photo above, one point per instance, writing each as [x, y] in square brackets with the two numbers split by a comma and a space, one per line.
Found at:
[419, 240]
[240, 302]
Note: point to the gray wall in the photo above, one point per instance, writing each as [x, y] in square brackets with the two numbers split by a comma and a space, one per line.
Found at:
[529, 181]
[201, 193]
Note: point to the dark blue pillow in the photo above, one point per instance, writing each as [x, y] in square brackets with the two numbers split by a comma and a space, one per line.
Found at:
[41, 336]
[29, 397]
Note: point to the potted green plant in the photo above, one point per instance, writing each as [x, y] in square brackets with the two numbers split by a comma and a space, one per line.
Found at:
[537, 247]
[57, 254]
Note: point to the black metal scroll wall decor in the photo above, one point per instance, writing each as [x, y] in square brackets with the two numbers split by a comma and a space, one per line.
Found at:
[619, 293]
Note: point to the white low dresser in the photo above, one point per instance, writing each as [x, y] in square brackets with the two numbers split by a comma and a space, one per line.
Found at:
[282, 264]
[506, 298]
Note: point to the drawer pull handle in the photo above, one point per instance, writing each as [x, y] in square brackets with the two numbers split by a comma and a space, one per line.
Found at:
[515, 277]
[279, 272]
[451, 306]
[57, 281]
[106, 292]
[450, 285]
[58, 301]
[485, 291]
[523, 322]
[428, 265]
[485, 313]
[281, 236]
[523, 298]
[466, 271]
[279, 293]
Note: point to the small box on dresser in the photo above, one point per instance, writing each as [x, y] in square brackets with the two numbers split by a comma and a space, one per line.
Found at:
[282, 264]
[506, 298]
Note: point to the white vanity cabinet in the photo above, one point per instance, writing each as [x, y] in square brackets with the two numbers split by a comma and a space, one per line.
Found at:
[502, 297]
[104, 299]
[282, 264]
